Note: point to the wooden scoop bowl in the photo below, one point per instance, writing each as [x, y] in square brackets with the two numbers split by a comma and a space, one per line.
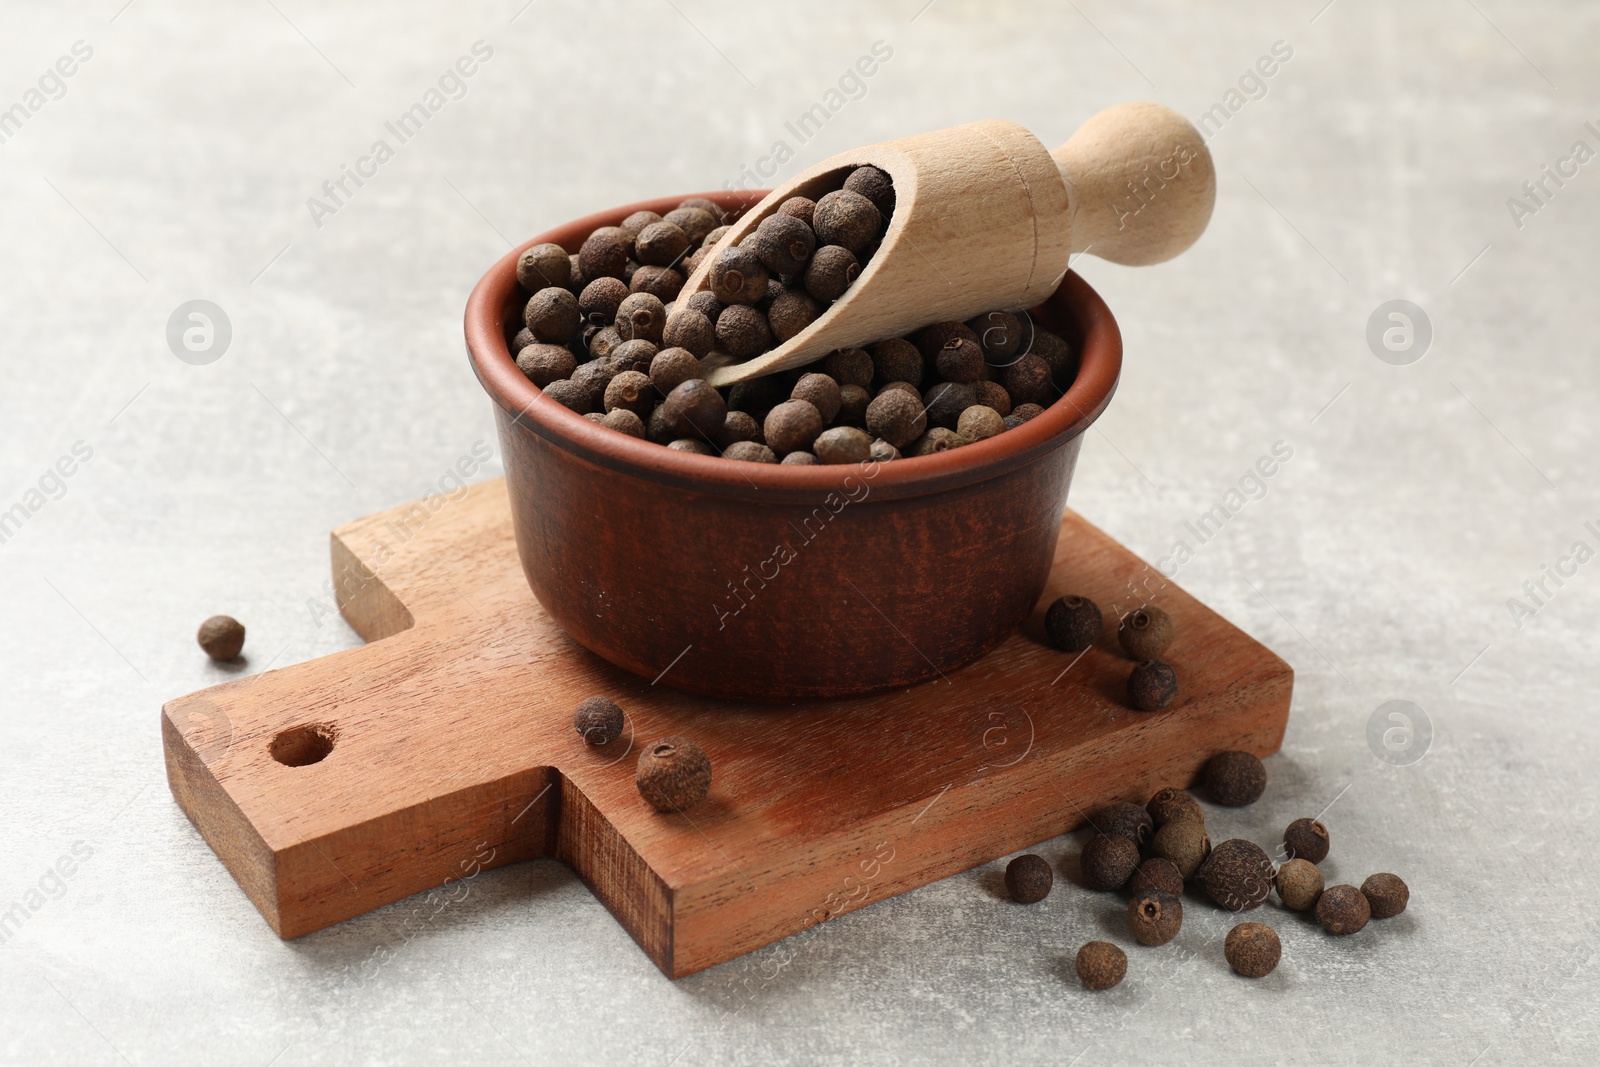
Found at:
[985, 218]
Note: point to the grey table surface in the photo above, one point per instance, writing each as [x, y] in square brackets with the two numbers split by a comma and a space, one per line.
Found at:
[1428, 494]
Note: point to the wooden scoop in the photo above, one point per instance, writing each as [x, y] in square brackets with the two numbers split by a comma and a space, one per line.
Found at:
[985, 218]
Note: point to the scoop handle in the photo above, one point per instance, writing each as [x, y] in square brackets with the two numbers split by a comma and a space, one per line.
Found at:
[1140, 184]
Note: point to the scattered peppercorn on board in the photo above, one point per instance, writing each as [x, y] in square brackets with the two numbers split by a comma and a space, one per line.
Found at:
[446, 746]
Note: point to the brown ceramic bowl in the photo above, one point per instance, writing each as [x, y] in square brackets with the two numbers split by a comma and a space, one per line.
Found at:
[757, 581]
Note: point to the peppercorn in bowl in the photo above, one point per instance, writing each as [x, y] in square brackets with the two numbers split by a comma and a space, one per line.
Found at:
[752, 579]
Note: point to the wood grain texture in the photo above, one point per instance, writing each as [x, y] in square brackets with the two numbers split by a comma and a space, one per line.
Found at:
[985, 218]
[455, 751]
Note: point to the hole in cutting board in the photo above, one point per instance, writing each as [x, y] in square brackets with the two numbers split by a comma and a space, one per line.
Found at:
[301, 746]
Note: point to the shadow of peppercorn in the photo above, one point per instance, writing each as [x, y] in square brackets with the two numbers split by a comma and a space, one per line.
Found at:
[1112, 919]
[993, 881]
[237, 665]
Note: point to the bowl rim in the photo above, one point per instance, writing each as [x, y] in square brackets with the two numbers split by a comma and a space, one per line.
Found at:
[1100, 355]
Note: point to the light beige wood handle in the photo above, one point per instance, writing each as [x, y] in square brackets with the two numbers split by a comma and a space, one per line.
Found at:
[985, 218]
[1140, 184]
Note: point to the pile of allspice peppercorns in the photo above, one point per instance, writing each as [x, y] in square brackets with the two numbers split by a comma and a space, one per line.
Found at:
[606, 334]
[1153, 851]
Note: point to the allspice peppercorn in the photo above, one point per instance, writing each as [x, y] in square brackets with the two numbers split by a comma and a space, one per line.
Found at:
[1235, 779]
[979, 423]
[1386, 895]
[522, 339]
[749, 452]
[599, 720]
[960, 360]
[1152, 685]
[690, 444]
[221, 637]
[1058, 356]
[831, 271]
[842, 444]
[1028, 878]
[1174, 805]
[849, 366]
[671, 367]
[1307, 839]
[1299, 884]
[634, 355]
[801, 207]
[791, 312]
[656, 429]
[1023, 412]
[931, 340]
[1100, 965]
[945, 402]
[663, 283]
[792, 426]
[631, 391]
[603, 255]
[1000, 334]
[742, 331]
[674, 774]
[692, 330]
[621, 420]
[936, 440]
[1145, 632]
[875, 185]
[1028, 381]
[600, 299]
[1124, 819]
[695, 409]
[1072, 622]
[1154, 918]
[896, 360]
[660, 244]
[603, 342]
[706, 303]
[853, 404]
[799, 459]
[883, 451]
[641, 317]
[1252, 949]
[1343, 909]
[574, 396]
[994, 395]
[738, 276]
[738, 426]
[633, 226]
[552, 315]
[1156, 875]
[783, 243]
[846, 218]
[1185, 843]
[542, 364]
[1108, 861]
[697, 218]
[1237, 875]
[823, 393]
[896, 417]
[542, 266]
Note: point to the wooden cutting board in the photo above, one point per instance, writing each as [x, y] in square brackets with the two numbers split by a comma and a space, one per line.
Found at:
[445, 746]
